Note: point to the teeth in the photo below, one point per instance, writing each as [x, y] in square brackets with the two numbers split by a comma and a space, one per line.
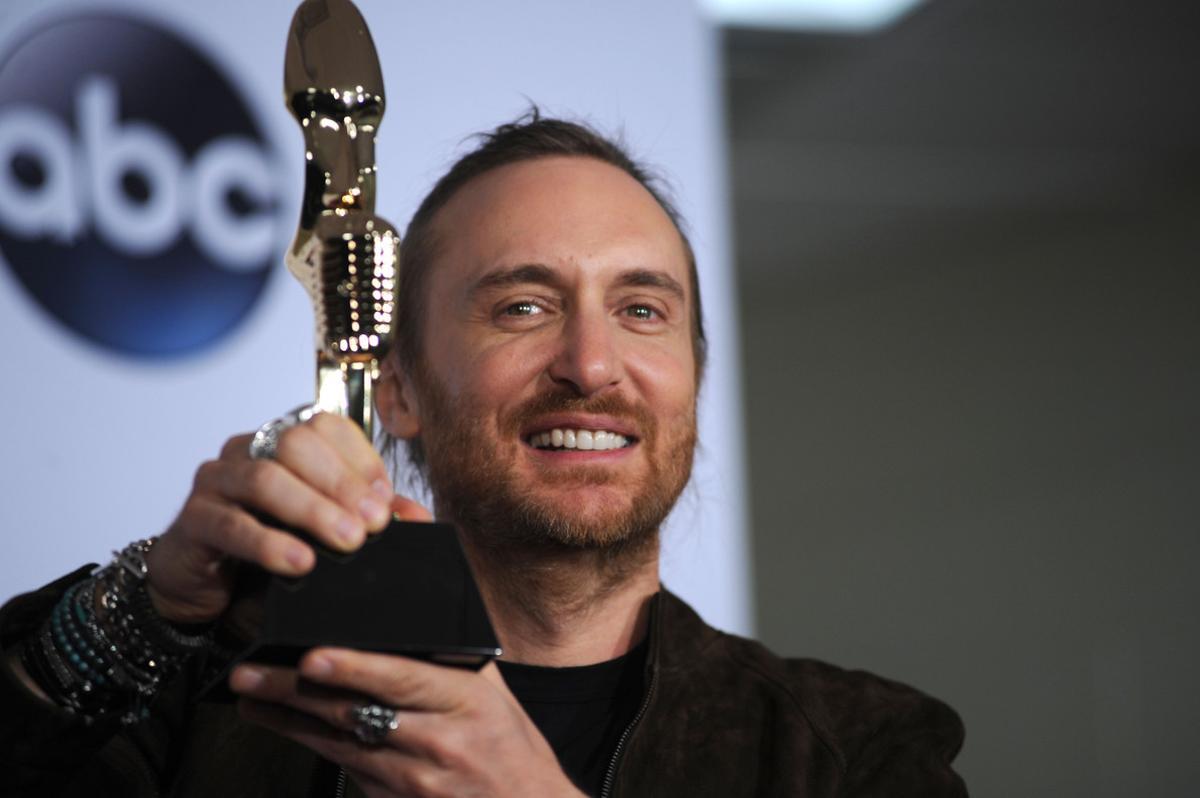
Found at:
[581, 439]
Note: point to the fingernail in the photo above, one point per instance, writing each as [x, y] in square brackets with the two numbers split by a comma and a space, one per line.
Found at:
[317, 666]
[383, 489]
[348, 530]
[297, 557]
[372, 510]
[245, 678]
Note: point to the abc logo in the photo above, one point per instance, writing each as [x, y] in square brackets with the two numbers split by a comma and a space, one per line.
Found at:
[138, 203]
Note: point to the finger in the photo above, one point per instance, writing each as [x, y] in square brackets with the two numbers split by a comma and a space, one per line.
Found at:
[294, 723]
[348, 438]
[408, 510]
[394, 680]
[237, 447]
[284, 686]
[275, 490]
[383, 765]
[335, 707]
[318, 461]
[491, 673]
[232, 531]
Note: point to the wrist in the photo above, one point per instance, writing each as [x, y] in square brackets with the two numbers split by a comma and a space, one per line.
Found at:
[105, 651]
[124, 604]
[182, 614]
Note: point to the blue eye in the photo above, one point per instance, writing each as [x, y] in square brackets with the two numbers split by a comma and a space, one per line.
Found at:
[521, 309]
[644, 312]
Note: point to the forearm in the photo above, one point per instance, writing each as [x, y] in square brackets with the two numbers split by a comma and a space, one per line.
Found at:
[45, 748]
[36, 735]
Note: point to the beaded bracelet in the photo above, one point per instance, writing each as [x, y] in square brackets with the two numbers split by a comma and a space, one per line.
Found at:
[126, 599]
[113, 661]
[64, 661]
[98, 688]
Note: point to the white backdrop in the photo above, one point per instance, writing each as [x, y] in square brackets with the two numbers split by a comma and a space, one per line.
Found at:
[100, 447]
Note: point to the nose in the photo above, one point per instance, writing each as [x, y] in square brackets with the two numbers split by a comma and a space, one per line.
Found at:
[587, 359]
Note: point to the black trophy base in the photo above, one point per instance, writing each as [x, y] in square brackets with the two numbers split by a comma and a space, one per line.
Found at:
[409, 591]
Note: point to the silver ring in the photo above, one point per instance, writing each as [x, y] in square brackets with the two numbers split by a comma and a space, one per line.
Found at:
[265, 443]
[372, 722]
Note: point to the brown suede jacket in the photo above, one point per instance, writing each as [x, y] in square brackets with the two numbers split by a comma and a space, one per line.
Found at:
[722, 716]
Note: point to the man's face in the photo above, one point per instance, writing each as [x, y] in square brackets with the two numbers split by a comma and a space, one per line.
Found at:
[559, 318]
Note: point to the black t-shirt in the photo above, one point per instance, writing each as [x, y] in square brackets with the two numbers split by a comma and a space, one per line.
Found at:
[581, 711]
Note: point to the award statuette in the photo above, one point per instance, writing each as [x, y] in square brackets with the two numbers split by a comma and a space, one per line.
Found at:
[344, 255]
[409, 590]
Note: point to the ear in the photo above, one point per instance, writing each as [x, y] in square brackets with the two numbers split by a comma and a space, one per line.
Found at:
[396, 400]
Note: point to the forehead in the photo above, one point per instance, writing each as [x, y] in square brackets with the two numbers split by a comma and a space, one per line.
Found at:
[558, 211]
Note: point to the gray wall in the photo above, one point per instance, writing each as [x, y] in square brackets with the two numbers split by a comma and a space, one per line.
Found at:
[971, 331]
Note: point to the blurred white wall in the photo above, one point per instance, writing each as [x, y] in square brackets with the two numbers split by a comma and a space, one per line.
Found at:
[100, 446]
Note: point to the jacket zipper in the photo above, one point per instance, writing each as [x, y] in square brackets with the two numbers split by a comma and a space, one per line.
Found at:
[610, 775]
[339, 791]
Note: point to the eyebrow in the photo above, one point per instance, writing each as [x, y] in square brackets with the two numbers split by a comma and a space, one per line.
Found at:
[524, 274]
[539, 274]
[649, 278]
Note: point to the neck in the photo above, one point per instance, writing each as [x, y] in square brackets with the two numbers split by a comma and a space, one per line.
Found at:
[561, 607]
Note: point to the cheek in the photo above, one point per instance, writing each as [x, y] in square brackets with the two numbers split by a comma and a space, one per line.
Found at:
[666, 377]
[496, 375]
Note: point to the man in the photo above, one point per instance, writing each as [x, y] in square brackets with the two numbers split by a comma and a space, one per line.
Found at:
[550, 348]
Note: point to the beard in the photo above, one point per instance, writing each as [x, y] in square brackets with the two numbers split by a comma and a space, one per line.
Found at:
[471, 472]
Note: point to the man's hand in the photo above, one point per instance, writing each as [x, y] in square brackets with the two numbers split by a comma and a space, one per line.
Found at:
[326, 480]
[460, 733]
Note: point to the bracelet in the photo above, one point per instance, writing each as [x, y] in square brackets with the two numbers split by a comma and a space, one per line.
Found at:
[47, 671]
[64, 660]
[105, 650]
[126, 599]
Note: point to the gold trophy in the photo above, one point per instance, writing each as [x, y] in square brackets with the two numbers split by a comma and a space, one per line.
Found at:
[414, 575]
[344, 255]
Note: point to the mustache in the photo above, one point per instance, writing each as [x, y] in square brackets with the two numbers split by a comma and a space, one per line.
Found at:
[609, 404]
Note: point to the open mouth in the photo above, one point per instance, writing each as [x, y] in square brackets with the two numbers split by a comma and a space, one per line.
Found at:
[559, 439]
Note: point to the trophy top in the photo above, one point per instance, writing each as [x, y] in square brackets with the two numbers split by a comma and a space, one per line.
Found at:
[330, 52]
[333, 85]
[343, 255]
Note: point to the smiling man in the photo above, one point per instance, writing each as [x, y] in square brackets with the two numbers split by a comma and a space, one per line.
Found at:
[550, 348]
